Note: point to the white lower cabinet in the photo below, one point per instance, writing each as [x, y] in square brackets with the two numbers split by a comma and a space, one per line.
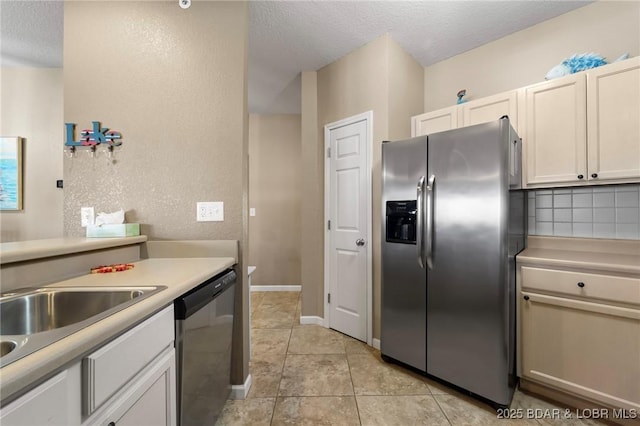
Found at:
[129, 381]
[54, 402]
[580, 333]
[149, 400]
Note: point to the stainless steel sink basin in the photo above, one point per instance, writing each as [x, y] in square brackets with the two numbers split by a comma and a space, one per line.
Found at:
[45, 310]
[6, 346]
[37, 317]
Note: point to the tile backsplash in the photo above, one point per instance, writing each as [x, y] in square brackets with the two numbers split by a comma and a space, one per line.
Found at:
[611, 211]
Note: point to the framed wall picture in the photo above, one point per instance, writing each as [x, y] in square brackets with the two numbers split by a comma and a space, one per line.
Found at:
[10, 173]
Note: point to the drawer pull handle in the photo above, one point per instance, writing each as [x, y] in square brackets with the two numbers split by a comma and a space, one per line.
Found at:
[112, 424]
[526, 298]
[594, 175]
[580, 284]
[580, 176]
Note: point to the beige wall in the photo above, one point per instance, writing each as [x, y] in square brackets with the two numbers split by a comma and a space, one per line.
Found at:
[275, 193]
[609, 28]
[173, 82]
[406, 86]
[32, 109]
[356, 83]
[312, 209]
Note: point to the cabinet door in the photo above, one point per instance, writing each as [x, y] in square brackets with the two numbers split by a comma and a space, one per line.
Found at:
[491, 108]
[613, 117]
[148, 409]
[435, 121]
[588, 349]
[556, 131]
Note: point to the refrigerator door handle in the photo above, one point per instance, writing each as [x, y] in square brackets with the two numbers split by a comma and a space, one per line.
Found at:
[420, 222]
[431, 186]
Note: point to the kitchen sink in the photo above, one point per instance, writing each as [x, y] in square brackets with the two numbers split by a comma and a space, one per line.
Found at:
[49, 309]
[37, 317]
[6, 346]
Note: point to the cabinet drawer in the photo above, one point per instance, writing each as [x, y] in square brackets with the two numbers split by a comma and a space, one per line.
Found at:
[45, 405]
[112, 366]
[602, 287]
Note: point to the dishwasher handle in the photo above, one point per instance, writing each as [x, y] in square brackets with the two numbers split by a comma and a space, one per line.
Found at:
[192, 301]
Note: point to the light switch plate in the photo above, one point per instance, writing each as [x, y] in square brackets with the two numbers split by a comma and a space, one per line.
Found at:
[252, 211]
[87, 216]
[210, 211]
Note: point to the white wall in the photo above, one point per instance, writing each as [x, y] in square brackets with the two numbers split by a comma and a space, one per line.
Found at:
[608, 28]
[32, 104]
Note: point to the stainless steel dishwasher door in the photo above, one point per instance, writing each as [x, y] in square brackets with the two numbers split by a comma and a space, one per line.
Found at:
[203, 346]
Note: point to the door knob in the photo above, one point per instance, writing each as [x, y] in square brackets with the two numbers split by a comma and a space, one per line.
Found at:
[359, 242]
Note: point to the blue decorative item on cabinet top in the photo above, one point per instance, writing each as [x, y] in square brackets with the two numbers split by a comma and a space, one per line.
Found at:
[577, 63]
[460, 95]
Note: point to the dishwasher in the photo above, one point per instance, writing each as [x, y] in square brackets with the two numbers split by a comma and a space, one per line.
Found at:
[204, 330]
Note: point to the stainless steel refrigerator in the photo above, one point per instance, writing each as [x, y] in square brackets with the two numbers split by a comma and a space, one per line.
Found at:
[453, 221]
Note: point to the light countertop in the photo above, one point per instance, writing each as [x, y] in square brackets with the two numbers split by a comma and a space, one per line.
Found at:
[617, 256]
[19, 251]
[179, 275]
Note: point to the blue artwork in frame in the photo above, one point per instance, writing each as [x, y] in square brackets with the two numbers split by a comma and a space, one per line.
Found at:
[10, 173]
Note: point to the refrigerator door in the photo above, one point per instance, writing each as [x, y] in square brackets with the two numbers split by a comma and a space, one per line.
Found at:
[468, 295]
[403, 326]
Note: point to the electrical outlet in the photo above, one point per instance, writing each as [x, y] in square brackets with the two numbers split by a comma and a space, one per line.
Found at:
[211, 211]
[87, 216]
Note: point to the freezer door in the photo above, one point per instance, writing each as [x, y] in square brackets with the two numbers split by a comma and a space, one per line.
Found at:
[403, 326]
[468, 295]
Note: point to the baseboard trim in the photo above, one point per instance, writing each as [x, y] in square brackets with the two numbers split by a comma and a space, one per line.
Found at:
[276, 288]
[241, 391]
[376, 343]
[312, 320]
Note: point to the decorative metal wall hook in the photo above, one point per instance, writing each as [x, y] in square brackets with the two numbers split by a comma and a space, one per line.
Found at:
[70, 151]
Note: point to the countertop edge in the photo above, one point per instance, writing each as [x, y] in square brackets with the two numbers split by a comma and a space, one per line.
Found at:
[578, 264]
[585, 254]
[21, 251]
[22, 375]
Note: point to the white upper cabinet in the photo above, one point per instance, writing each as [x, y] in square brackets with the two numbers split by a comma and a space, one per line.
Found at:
[491, 108]
[478, 111]
[555, 137]
[577, 130]
[585, 128]
[435, 121]
[613, 120]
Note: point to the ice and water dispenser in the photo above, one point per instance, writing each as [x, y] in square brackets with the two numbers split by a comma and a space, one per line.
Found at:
[401, 222]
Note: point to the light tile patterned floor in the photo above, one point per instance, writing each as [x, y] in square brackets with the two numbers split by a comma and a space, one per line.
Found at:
[310, 375]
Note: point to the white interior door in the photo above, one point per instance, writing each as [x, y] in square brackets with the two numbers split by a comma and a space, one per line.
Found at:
[348, 229]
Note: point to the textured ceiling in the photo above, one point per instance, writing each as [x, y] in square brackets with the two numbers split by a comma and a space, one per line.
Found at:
[287, 37]
[31, 33]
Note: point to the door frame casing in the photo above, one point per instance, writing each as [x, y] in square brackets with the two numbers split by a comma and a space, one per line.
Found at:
[368, 117]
